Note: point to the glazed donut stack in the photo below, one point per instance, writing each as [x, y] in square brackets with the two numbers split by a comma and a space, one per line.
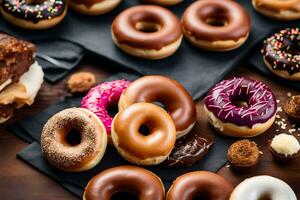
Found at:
[93, 124]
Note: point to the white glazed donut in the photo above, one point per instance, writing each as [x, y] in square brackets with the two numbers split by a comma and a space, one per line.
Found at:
[259, 187]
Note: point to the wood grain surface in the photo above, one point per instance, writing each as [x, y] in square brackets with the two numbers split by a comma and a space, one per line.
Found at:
[20, 181]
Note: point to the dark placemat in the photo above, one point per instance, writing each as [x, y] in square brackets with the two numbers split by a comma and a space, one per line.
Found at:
[196, 69]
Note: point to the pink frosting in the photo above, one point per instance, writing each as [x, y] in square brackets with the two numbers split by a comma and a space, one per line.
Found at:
[101, 97]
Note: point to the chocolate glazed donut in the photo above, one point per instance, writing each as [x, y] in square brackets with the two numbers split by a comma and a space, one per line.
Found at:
[203, 184]
[147, 31]
[217, 25]
[175, 98]
[34, 14]
[135, 180]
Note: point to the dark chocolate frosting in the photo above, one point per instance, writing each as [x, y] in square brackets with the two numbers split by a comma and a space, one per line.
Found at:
[282, 50]
[34, 12]
[188, 150]
[261, 102]
[125, 31]
[236, 17]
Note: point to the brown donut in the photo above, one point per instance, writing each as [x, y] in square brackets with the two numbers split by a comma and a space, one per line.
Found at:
[176, 99]
[81, 155]
[147, 31]
[217, 25]
[93, 7]
[135, 180]
[202, 184]
[137, 148]
[278, 9]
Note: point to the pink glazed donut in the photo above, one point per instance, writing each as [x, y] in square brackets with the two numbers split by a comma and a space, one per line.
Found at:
[100, 98]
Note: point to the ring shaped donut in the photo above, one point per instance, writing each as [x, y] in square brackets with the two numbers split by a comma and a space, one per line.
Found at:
[281, 53]
[32, 15]
[73, 157]
[164, 2]
[278, 9]
[241, 107]
[93, 7]
[263, 187]
[150, 149]
[100, 98]
[174, 97]
[202, 184]
[135, 180]
[147, 31]
[216, 25]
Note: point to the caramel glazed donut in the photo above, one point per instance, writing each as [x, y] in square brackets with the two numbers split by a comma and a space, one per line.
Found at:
[241, 107]
[33, 14]
[174, 97]
[278, 9]
[65, 149]
[135, 180]
[200, 185]
[281, 53]
[164, 2]
[93, 7]
[150, 148]
[147, 31]
[216, 25]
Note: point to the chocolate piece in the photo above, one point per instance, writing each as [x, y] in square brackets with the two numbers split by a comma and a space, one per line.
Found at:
[16, 56]
[7, 111]
[282, 50]
[243, 155]
[188, 150]
[292, 109]
[34, 10]
[81, 82]
[261, 102]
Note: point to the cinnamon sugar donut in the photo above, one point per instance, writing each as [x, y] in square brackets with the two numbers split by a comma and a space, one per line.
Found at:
[174, 97]
[278, 9]
[149, 148]
[74, 140]
[93, 7]
[216, 25]
[147, 31]
[200, 184]
[135, 180]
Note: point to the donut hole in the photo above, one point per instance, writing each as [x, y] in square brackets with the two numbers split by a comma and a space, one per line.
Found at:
[205, 195]
[240, 102]
[112, 110]
[73, 137]
[144, 130]
[147, 27]
[124, 195]
[35, 2]
[216, 21]
[292, 47]
[265, 197]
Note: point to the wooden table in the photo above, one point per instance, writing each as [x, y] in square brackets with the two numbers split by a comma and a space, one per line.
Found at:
[20, 181]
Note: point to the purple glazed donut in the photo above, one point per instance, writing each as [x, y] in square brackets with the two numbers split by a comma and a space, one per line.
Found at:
[241, 107]
[100, 98]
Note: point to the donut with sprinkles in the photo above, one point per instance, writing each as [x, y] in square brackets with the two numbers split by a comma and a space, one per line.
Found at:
[34, 14]
[241, 107]
[281, 53]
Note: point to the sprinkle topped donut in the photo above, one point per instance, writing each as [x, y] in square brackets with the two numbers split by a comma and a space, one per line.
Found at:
[241, 102]
[101, 97]
[281, 53]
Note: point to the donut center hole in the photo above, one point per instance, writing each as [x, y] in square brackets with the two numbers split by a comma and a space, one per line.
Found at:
[73, 137]
[112, 110]
[265, 197]
[202, 196]
[35, 2]
[144, 130]
[216, 22]
[292, 47]
[240, 102]
[147, 27]
[124, 195]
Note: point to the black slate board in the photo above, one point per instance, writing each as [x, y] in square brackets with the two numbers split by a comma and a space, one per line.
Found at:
[197, 70]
